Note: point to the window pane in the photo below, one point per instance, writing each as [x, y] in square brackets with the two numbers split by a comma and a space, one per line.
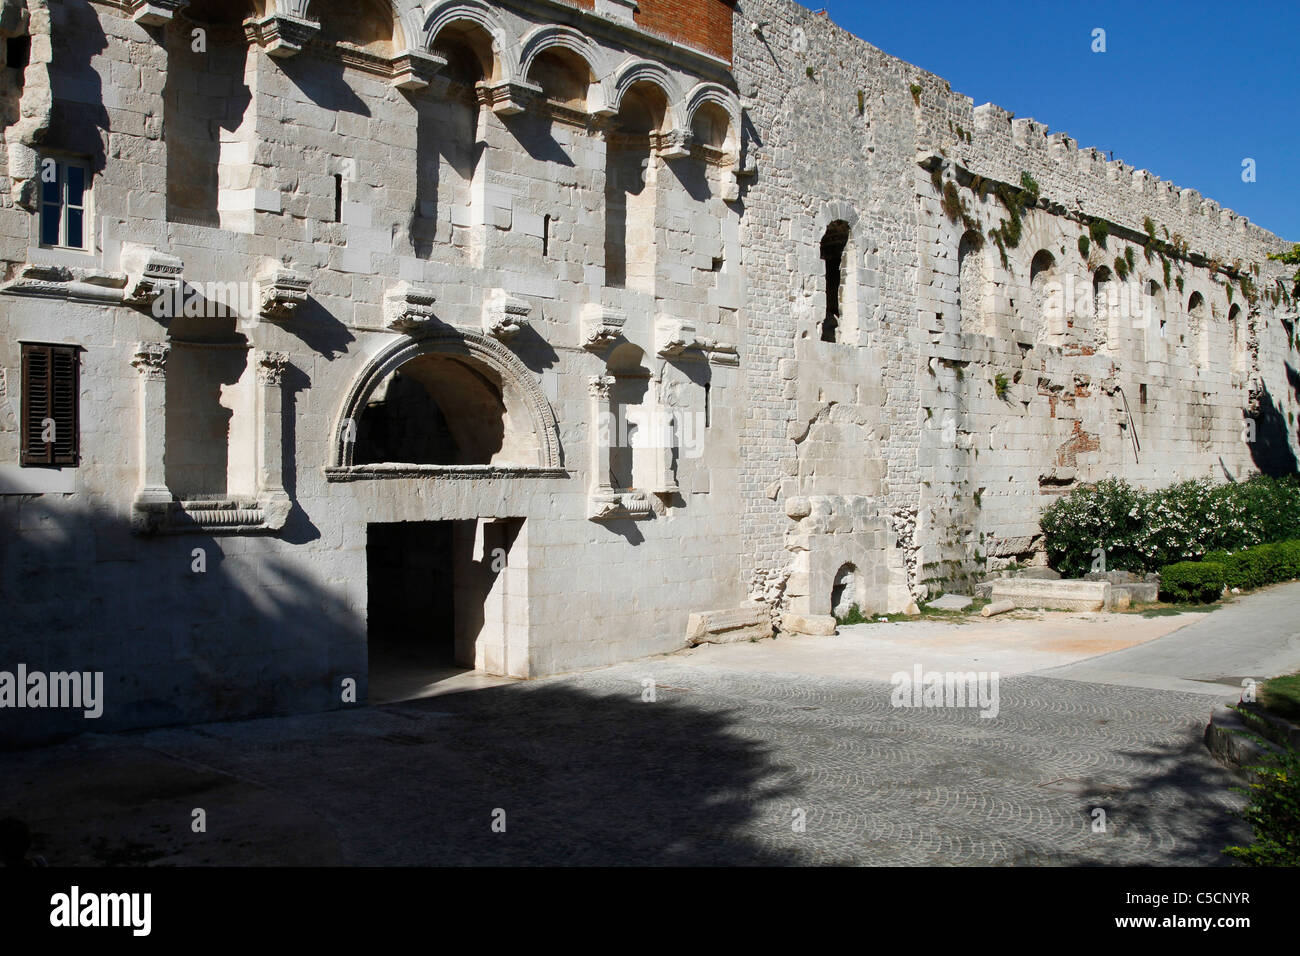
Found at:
[50, 225]
[76, 185]
[50, 188]
[74, 229]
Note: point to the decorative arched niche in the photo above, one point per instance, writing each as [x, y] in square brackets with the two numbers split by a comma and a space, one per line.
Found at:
[449, 403]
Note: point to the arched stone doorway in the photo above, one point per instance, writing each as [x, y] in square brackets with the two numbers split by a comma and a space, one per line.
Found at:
[443, 436]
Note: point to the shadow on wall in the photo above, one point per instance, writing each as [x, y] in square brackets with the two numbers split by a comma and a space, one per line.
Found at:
[183, 627]
[1272, 450]
[78, 120]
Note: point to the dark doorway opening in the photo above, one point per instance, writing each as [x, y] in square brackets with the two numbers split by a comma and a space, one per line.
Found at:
[438, 602]
[411, 618]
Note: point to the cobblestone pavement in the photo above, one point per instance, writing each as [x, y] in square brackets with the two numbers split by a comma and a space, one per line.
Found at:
[715, 771]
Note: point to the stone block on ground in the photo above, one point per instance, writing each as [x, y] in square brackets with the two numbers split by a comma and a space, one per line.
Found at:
[818, 625]
[952, 602]
[750, 622]
[1063, 595]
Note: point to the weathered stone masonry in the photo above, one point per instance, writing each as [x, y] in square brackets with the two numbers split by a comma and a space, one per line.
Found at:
[541, 325]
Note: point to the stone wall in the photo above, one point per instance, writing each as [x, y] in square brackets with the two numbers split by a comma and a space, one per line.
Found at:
[988, 392]
[559, 219]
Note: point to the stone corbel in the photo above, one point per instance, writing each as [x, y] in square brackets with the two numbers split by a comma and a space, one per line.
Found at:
[721, 353]
[506, 98]
[283, 292]
[408, 309]
[504, 315]
[281, 35]
[154, 13]
[601, 326]
[675, 144]
[674, 337]
[151, 275]
[415, 69]
[612, 505]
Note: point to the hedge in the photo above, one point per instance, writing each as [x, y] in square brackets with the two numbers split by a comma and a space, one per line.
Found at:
[1191, 582]
[1194, 582]
[1142, 531]
[1256, 567]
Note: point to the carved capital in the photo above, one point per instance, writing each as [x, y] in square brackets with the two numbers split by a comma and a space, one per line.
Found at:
[601, 325]
[150, 360]
[408, 309]
[283, 293]
[151, 275]
[599, 386]
[271, 366]
[504, 315]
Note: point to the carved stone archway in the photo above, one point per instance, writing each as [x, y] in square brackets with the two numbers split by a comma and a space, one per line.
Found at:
[452, 343]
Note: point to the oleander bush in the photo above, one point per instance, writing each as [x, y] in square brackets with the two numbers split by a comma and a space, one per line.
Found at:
[1191, 582]
[1142, 531]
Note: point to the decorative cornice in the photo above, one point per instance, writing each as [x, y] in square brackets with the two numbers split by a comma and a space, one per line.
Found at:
[207, 516]
[399, 470]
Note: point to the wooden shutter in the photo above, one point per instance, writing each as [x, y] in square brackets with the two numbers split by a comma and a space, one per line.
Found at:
[51, 390]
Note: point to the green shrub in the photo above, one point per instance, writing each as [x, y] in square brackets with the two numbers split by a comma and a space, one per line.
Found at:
[1191, 582]
[1258, 566]
[1273, 813]
[1141, 531]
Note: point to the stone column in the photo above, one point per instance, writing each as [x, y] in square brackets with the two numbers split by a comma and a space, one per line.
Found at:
[270, 453]
[150, 360]
[602, 420]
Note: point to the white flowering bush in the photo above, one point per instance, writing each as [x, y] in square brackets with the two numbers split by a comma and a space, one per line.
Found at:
[1142, 531]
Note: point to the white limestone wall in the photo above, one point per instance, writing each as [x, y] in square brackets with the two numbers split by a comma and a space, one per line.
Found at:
[277, 620]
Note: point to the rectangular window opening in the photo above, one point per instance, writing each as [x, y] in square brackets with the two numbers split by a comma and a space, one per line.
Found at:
[64, 187]
[546, 236]
[338, 197]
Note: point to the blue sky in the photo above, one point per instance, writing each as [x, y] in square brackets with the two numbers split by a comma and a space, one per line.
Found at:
[1187, 90]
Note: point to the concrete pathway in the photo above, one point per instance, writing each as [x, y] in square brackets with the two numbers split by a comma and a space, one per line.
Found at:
[1254, 637]
[1016, 643]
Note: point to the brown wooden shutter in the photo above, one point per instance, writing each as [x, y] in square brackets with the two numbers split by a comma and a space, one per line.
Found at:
[51, 389]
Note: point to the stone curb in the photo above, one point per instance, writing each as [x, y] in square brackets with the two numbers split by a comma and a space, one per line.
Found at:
[1225, 737]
